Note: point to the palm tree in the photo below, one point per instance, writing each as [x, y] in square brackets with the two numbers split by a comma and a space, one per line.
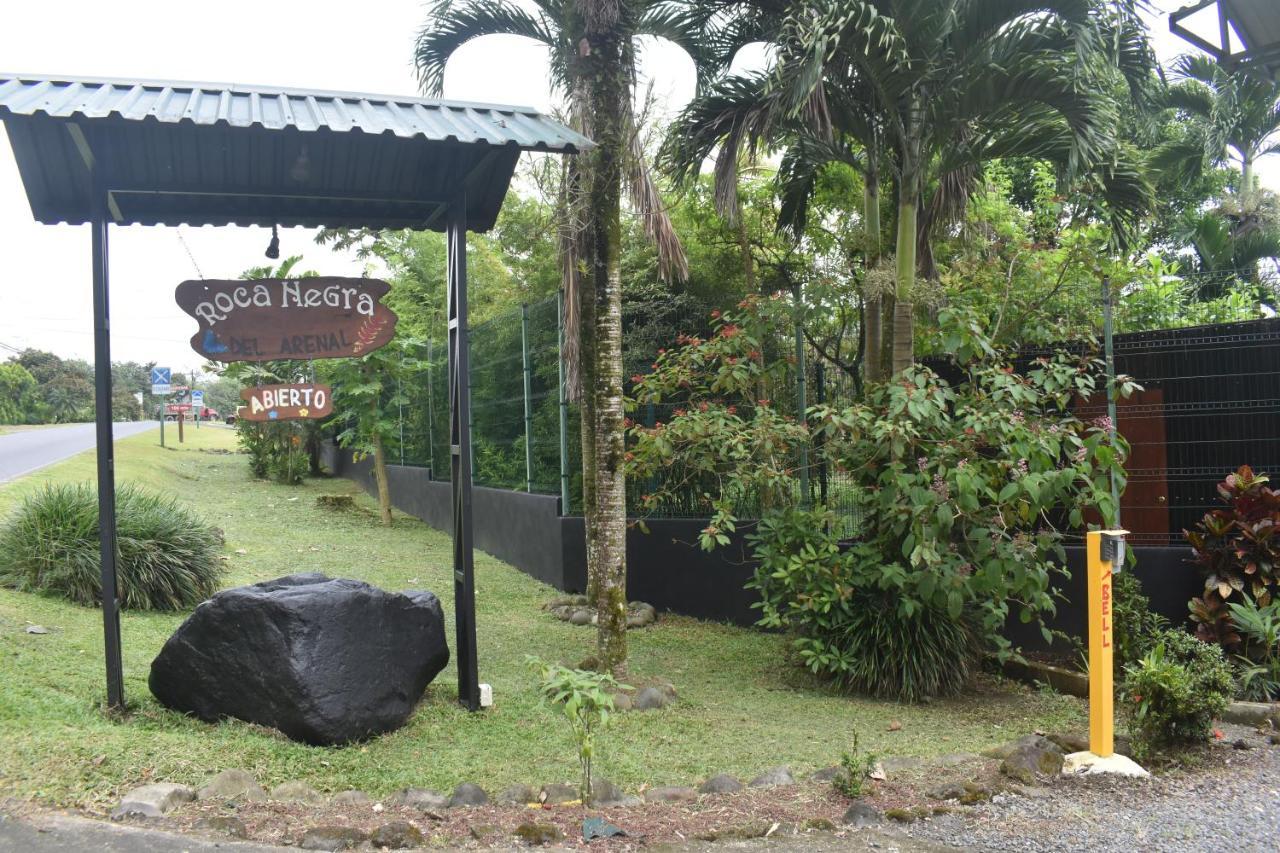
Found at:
[592, 46]
[1230, 245]
[955, 83]
[743, 113]
[1237, 112]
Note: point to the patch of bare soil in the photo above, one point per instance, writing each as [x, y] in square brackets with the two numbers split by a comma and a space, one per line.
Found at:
[753, 813]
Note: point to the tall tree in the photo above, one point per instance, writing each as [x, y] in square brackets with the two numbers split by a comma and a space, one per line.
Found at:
[593, 66]
[741, 114]
[951, 84]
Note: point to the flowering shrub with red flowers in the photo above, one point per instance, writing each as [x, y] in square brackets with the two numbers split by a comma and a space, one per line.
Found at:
[726, 442]
[960, 493]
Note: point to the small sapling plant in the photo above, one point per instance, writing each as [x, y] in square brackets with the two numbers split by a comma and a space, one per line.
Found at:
[586, 700]
[856, 767]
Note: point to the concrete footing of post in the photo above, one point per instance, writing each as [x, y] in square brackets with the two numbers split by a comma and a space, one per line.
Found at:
[1087, 763]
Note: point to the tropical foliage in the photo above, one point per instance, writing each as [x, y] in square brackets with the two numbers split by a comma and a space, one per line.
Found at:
[1237, 552]
[955, 496]
[367, 396]
[1172, 695]
[929, 92]
[1259, 664]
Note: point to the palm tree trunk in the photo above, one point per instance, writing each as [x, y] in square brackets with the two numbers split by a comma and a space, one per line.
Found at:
[873, 338]
[903, 315]
[744, 248]
[604, 65]
[1246, 181]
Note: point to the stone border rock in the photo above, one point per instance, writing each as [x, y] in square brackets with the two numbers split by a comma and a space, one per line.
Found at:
[1030, 755]
[577, 610]
[1253, 713]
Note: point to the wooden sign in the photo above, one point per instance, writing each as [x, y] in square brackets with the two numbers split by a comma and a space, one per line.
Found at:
[286, 402]
[292, 318]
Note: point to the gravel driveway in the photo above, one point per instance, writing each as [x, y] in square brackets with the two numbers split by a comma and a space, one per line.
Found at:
[1232, 805]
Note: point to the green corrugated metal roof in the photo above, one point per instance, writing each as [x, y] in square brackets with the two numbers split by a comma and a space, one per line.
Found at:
[213, 154]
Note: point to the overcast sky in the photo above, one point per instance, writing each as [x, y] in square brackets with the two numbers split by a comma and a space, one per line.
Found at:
[308, 44]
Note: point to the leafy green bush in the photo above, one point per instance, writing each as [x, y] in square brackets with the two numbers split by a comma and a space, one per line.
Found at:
[168, 556]
[1173, 693]
[276, 450]
[1259, 664]
[848, 629]
[1238, 552]
[958, 495]
[1137, 626]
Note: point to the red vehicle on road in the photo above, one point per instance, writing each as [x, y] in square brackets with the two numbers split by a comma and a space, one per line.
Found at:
[179, 406]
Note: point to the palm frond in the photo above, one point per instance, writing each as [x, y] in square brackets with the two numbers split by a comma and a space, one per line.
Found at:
[1197, 66]
[734, 117]
[673, 264]
[797, 176]
[819, 33]
[1179, 160]
[981, 19]
[1127, 195]
[1191, 97]
[678, 24]
[450, 25]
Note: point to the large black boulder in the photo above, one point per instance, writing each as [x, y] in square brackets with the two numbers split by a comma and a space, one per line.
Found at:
[324, 661]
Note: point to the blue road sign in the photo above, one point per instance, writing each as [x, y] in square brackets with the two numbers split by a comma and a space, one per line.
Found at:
[161, 380]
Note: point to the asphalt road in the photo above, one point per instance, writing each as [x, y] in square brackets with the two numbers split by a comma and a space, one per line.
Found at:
[29, 450]
[58, 834]
[65, 834]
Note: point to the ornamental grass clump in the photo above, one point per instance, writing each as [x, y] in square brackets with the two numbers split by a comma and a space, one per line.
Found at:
[168, 556]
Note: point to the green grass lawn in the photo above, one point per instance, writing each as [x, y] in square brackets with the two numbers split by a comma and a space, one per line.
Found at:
[743, 708]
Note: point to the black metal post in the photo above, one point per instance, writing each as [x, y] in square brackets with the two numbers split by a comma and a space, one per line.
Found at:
[564, 406]
[527, 370]
[431, 413]
[106, 450]
[464, 581]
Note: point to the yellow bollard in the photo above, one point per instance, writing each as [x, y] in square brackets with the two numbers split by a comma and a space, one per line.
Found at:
[1104, 550]
[1103, 547]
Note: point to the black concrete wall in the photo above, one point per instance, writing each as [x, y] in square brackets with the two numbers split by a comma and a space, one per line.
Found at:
[520, 529]
[1167, 579]
[666, 568]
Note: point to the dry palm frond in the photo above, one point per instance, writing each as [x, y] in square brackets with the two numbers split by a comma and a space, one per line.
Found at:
[673, 265]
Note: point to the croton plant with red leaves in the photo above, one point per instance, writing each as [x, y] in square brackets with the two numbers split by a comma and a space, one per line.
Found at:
[1238, 551]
